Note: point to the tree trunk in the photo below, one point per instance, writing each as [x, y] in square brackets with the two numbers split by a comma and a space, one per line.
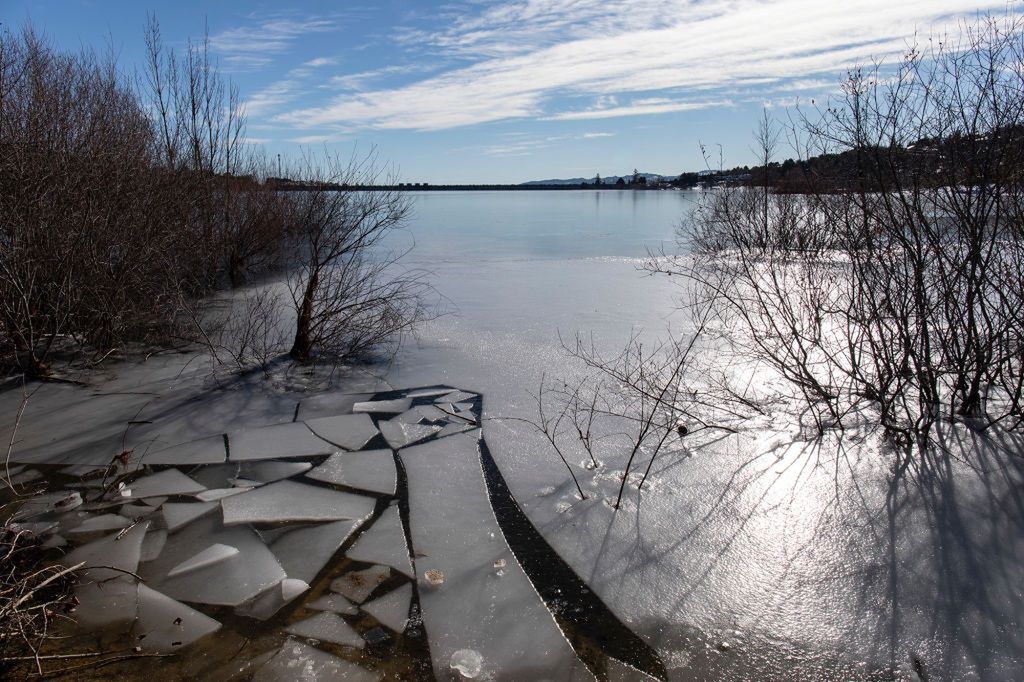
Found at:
[302, 347]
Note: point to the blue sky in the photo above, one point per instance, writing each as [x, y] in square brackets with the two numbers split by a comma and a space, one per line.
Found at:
[481, 91]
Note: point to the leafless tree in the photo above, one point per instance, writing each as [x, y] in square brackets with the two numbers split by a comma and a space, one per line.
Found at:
[348, 288]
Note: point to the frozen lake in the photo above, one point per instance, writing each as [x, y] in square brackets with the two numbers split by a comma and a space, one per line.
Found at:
[751, 558]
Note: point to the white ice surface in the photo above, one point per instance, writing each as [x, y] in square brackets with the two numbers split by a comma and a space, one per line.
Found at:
[383, 406]
[392, 609]
[372, 470]
[348, 431]
[384, 543]
[454, 531]
[290, 501]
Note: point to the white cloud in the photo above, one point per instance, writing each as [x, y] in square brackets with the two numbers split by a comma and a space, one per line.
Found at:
[249, 47]
[526, 54]
[591, 136]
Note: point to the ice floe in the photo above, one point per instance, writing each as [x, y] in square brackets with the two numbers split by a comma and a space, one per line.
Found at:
[400, 434]
[303, 552]
[327, 627]
[209, 450]
[384, 543]
[454, 532]
[288, 501]
[164, 624]
[392, 610]
[179, 514]
[347, 431]
[358, 585]
[371, 470]
[334, 603]
[214, 554]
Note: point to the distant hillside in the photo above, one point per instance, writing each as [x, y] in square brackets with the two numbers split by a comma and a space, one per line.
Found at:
[605, 179]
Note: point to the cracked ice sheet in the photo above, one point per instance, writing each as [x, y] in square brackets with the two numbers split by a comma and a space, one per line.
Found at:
[290, 501]
[327, 627]
[279, 441]
[372, 470]
[230, 582]
[502, 618]
[348, 431]
[384, 544]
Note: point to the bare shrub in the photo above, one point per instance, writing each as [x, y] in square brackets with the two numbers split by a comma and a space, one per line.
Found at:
[349, 291]
[893, 284]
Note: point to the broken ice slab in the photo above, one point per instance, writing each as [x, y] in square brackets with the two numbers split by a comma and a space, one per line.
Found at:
[372, 470]
[383, 406]
[279, 441]
[392, 610]
[286, 501]
[303, 552]
[347, 431]
[400, 434]
[167, 482]
[164, 624]
[208, 450]
[100, 524]
[228, 583]
[454, 532]
[384, 543]
[214, 554]
[178, 514]
[37, 528]
[335, 603]
[268, 472]
[266, 604]
[296, 660]
[456, 397]
[106, 603]
[152, 545]
[109, 557]
[358, 585]
[220, 493]
[327, 627]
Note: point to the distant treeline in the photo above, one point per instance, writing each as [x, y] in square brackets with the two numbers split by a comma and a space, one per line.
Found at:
[927, 162]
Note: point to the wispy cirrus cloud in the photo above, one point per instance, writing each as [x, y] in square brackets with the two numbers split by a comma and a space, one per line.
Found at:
[529, 58]
[255, 45]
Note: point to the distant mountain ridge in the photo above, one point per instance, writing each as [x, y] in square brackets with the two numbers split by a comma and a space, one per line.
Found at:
[605, 179]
